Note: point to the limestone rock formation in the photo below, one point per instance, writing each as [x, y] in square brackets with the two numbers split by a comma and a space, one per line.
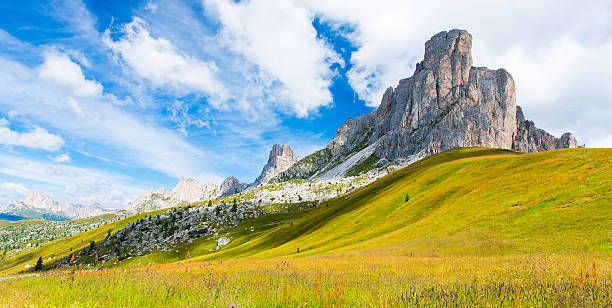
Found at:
[530, 139]
[231, 186]
[189, 190]
[447, 103]
[280, 159]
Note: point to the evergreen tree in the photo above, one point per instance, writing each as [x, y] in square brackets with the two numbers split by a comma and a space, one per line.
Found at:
[209, 203]
[407, 197]
[39, 264]
[92, 246]
[234, 207]
[217, 210]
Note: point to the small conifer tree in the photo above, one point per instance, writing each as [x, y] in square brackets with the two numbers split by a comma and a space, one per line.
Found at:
[92, 246]
[39, 264]
[407, 197]
[234, 207]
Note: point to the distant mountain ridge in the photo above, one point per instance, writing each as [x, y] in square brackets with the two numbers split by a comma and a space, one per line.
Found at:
[447, 103]
[189, 190]
[39, 206]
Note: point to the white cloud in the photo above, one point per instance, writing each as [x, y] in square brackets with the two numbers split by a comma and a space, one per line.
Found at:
[157, 60]
[15, 188]
[61, 71]
[278, 37]
[36, 138]
[602, 142]
[134, 138]
[73, 184]
[61, 158]
[12, 113]
[76, 107]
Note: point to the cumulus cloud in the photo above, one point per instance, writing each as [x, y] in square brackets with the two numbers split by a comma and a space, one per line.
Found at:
[134, 138]
[61, 158]
[158, 61]
[278, 37]
[15, 188]
[60, 70]
[36, 138]
[69, 183]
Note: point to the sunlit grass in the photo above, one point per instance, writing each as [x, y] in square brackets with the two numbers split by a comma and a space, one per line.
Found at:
[481, 227]
[342, 281]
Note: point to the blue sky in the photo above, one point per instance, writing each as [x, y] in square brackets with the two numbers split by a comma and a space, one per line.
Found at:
[101, 100]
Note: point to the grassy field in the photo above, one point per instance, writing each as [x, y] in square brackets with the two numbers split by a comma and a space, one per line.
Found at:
[483, 226]
[340, 281]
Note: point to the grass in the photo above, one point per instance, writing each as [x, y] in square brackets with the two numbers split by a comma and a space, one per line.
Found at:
[483, 226]
[61, 247]
[345, 281]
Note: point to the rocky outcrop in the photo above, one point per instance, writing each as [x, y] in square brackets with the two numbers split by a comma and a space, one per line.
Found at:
[447, 103]
[231, 186]
[186, 191]
[530, 139]
[189, 190]
[280, 159]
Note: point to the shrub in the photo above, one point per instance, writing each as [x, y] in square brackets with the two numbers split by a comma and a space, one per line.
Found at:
[407, 197]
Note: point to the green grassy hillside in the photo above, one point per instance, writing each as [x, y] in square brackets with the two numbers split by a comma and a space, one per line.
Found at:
[463, 202]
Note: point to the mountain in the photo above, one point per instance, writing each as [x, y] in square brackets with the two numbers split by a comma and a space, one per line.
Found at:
[153, 200]
[280, 159]
[447, 103]
[187, 190]
[39, 206]
[231, 186]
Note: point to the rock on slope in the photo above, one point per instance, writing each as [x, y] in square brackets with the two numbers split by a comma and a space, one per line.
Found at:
[187, 190]
[447, 103]
[39, 206]
[280, 159]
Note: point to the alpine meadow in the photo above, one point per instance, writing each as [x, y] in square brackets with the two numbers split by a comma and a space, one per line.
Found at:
[436, 192]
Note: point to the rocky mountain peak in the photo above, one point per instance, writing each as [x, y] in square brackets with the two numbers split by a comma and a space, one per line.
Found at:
[280, 159]
[447, 103]
[39, 200]
[231, 186]
[188, 190]
[449, 55]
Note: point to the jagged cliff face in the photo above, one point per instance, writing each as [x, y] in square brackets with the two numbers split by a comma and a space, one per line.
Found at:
[189, 190]
[280, 159]
[530, 139]
[447, 103]
[231, 186]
